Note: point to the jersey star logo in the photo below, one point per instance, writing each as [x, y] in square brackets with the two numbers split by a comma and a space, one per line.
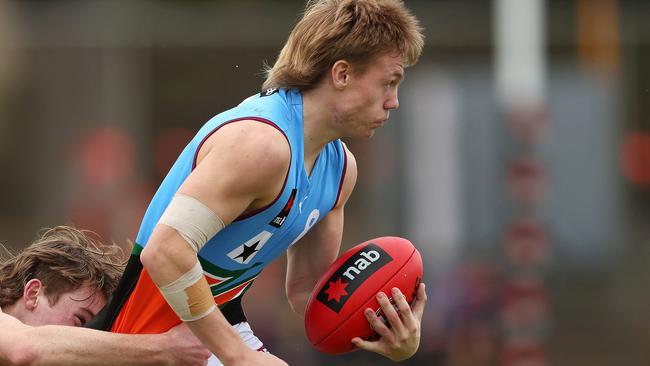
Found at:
[244, 253]
[336, 290]
[248, 251]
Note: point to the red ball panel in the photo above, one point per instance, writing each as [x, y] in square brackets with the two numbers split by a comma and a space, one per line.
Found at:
[335, 310]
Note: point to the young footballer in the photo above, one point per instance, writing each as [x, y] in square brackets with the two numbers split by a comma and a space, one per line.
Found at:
[271, 176]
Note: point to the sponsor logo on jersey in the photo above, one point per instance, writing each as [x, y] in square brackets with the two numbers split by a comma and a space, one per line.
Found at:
[269, 91]
[351, 275]
[282, 216]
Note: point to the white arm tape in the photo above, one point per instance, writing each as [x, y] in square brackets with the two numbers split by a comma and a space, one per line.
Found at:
[193, 220]
[189, 295]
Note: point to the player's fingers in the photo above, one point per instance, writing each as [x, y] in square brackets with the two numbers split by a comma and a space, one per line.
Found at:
[410, 322]
[366, 345]
[390, 313]
[206, 355]
[420, 301]
[377, 324]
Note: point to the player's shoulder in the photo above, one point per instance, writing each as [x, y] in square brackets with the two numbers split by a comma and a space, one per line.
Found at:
[262, 144]
[267, 101]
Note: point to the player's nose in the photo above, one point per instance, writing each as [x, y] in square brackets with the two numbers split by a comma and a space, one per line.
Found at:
[392, 102]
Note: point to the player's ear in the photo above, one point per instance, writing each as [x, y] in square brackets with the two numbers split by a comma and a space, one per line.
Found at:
[31, 291]
[341, 74]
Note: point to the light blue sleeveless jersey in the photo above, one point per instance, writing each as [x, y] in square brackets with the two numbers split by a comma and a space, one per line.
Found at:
[236, 255]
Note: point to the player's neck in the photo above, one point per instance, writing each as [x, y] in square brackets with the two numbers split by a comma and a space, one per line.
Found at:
[317, 122]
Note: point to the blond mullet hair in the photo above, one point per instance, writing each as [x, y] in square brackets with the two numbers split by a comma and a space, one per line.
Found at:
[352, 30]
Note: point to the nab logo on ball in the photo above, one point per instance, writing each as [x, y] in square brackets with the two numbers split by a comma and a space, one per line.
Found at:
[354, 272]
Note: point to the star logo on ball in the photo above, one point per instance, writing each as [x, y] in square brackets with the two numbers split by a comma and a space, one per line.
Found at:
[336, 290]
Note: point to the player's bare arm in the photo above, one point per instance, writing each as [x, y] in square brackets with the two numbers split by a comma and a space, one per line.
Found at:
[21, 344]
[308, 259]
[240, 168]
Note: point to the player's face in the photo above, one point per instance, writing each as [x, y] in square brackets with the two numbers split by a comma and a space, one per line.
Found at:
[74, 308]
[371, 95]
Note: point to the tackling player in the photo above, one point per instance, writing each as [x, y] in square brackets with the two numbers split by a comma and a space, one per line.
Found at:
[271, 176]
[63, 278]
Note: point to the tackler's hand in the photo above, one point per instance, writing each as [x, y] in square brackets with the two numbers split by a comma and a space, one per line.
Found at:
[184, 348]
[402, 339]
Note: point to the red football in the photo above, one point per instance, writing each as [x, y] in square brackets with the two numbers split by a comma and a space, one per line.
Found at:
[335, 310]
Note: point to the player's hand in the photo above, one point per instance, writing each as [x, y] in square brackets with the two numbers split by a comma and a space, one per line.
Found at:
[256, 358]
[184, 348]
[402, 339]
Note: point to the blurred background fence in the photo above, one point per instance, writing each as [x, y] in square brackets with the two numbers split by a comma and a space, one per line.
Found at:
[518, 162]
